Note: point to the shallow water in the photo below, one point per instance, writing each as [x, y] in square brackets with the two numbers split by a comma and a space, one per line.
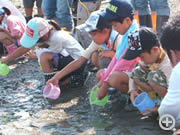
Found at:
[23, 109]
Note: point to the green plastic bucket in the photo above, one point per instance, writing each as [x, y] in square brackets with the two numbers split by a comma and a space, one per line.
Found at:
[4, 69]
[94, 100]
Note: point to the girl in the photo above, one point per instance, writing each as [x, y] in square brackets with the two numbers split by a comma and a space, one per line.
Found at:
[62, 49]
[11, 31]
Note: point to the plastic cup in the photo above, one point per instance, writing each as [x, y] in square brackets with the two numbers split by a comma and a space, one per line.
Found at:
[143, 101]
[51, 91]
[4, 69]
[94, 100]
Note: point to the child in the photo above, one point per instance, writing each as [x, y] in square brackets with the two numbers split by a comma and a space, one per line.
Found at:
[84, 9]
[63, 49]
[11, 31]
[154, 69]
[101, 34]
[103, 56]
[170, 42]
[120, 14]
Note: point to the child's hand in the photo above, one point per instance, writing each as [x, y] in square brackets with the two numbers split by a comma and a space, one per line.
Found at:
[99, 84]
[101, 93]
[4, 60]
[94, 88]
[30, 55]
[54, 81]
[106, 53]
[150, 111]
[133, 95]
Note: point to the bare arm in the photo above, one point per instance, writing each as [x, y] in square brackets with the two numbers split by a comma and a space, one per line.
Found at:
[76, 64]
[13, 37]
[143, 86]
[19, 52]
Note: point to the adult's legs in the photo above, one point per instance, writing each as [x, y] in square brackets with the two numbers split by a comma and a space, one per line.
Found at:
[143, 8]
[64, 15]
[38, 4]
[28, 6]
[49, 8]
[163, 12]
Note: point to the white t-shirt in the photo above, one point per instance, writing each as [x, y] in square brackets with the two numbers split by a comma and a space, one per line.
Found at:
[60, 40]
[170, 103]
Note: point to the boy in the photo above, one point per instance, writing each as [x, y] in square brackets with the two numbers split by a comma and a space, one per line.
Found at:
[154, 69]
[170, 41]
[101, 33]
[120, 14]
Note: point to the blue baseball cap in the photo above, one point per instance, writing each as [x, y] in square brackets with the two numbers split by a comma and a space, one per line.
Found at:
[35, 29]
[116, 9]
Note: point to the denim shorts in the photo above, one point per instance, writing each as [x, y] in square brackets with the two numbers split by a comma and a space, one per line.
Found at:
[30, 3]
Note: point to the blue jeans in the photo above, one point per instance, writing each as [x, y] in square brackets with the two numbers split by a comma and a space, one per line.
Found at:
[145, 6]
[59, 11]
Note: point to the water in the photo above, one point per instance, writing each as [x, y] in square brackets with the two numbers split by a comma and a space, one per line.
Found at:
[23, 109]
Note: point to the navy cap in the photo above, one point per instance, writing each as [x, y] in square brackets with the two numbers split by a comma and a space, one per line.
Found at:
[118, 8]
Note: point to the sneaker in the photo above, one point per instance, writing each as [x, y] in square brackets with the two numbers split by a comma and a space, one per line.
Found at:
[28, 18]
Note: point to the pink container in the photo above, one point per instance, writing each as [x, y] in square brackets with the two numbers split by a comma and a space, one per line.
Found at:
[51, 91]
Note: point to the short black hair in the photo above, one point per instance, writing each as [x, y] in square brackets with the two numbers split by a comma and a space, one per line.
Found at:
[102, 23]
[170, 38]
[6, 10]
[148, 38]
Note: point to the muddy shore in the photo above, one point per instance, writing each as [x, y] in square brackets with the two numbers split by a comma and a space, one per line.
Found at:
[24, 111]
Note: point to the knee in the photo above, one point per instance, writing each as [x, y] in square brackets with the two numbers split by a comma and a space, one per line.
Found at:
[118, 78]
[45, 57]
[113, 79]
[98, 74]
[94, 58]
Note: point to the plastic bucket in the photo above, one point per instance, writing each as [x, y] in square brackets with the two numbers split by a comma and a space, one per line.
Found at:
[4, 69]
[143, 101]
[93, 99]
[51, 91]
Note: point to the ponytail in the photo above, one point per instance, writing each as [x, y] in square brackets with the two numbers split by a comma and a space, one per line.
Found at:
[55, 24]
[6, 11]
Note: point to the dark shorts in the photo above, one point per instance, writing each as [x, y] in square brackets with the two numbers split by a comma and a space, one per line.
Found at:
[30, 3]
[62, 61]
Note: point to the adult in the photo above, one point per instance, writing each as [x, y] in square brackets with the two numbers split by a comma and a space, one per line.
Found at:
[59, 10]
